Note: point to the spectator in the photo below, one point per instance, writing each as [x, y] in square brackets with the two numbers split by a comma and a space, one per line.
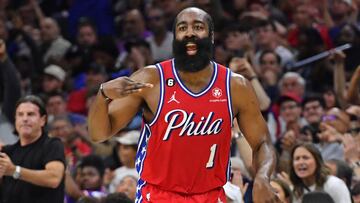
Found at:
[134, 25]
[342, 170]
[292, 82]
[87, 34]
[282, 190]
[95, 75]
[53, 79]
[308, 173]
[92, 171]
[355, 193]
[240, 65]
[334, 124]
[10, 92]
[313, 109]
[117, 198]
[138, 55]
[268, 39]
[270, 73]
[127, 148]
[353, 94]
[161, 40]
[303, 18]
[342, 11]
[127, 185]
[54, 46]
[37, 160]
[56, 106]
[317, 197]
[76, 145]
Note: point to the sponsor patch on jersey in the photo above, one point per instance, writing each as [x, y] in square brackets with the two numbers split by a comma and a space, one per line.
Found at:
[216, 92]
[170, 82]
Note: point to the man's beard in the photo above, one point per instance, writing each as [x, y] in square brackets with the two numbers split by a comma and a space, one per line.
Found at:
[192, 63]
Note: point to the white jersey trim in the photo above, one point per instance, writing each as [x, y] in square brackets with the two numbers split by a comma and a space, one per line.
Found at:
[161, 100]
[228, 94]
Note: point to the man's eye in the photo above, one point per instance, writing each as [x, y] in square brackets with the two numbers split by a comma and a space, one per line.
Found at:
[198, 27]
[183, 28]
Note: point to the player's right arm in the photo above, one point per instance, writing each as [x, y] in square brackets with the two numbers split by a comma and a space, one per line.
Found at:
[127, 94]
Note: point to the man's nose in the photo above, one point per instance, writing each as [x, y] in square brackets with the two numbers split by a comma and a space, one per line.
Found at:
[189, 33]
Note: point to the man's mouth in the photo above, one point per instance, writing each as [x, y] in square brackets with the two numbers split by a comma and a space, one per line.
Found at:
[191, 48]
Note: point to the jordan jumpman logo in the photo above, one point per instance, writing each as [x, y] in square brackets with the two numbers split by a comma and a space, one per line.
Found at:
[173, 99]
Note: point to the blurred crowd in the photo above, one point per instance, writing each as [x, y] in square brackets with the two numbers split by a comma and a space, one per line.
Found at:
[62, 50]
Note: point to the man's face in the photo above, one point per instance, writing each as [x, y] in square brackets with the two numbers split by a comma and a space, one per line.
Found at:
[56, 105]
[265, 35]
[127, 154]
[269, 62]
[61, 129]
[291, 84]
[128, 186]
[290, 111]
[49, 30]
[192, 46]
[90, 178]
[133, 24]
[339, 9]
[87, 36]
[50, 83]
[313, 112]
[156, 21]
[28, 121]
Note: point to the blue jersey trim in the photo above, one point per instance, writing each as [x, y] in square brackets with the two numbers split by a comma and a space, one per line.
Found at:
[142, 148]
[162, 91]
[141, 183]
[187, 90]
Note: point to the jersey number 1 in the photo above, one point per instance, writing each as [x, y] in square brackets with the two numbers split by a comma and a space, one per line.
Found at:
[210, 162]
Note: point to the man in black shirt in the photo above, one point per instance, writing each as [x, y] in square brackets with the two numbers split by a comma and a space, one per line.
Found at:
[32, 169]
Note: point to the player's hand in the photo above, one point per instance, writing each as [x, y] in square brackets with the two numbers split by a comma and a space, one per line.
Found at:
[263, 192]
[122, 87]
[6, 165]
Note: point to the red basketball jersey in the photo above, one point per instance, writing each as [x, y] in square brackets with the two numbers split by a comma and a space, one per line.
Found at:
[186, 147]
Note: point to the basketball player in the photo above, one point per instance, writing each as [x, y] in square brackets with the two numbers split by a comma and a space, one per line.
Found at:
[188, 106]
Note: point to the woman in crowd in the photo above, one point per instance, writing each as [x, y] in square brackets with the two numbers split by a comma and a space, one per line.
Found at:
[282, 190]
[309, 173]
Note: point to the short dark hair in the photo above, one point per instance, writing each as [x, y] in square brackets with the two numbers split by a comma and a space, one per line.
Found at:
[278, 58]
[356, 189]
[317, 197]
[55, 94]
[34, 100]
[310, 97]
[117, 197]
[84, 22]
[264, 23]
[93, 161]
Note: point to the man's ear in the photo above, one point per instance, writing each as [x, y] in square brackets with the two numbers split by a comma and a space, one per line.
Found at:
[43, 120]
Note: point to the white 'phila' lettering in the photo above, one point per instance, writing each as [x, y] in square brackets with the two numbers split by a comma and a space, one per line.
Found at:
[188, 126]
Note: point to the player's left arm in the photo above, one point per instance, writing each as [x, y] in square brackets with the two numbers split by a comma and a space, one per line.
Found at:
[252, 124]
